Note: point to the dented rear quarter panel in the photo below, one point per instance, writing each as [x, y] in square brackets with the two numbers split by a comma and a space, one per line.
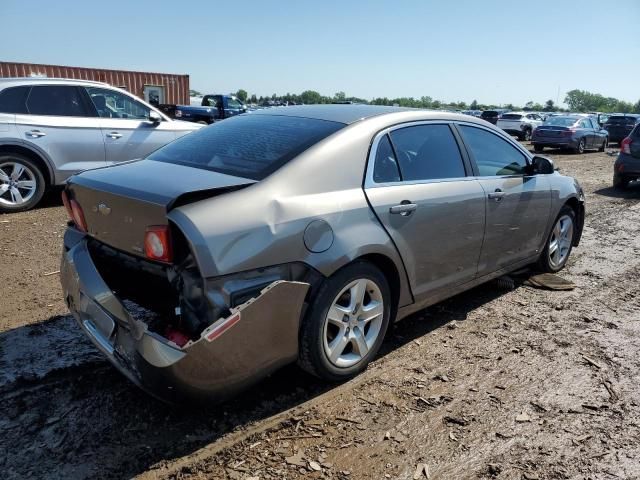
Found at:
[264, 224]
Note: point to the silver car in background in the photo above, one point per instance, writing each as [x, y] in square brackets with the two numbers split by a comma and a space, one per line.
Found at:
[299, 233]
[53, 128]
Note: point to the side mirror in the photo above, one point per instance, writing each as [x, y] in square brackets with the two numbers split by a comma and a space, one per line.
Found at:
[542, 165]
[154, 117]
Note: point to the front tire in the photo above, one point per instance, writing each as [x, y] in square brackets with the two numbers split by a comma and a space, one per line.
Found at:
[556, 252]
[604, 145]
[346, 323]
[22, 183]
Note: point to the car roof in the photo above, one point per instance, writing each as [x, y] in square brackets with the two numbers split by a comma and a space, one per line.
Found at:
[342, 113]
[18, 81]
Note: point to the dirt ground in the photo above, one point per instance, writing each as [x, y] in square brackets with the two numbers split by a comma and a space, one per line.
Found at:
[493, 383]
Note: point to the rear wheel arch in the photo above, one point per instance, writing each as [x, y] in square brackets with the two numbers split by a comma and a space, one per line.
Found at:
[390, 271]
[578, 209]
[42, 164]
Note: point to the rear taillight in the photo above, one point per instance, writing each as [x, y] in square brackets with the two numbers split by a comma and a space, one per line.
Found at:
[625, 145]
[74, 210]
[157, 243]
[77, 215]
[67, 205]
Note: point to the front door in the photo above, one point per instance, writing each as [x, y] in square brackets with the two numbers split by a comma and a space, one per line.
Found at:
[434, 213]
[60, 123]
[127, 131]
[517, 204]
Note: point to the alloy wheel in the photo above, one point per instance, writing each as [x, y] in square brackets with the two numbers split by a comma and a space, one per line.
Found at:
[353, 323]
[17, 183]
[560, 241]
[581, 146]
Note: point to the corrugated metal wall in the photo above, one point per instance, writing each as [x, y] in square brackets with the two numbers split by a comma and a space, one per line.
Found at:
[176, 87]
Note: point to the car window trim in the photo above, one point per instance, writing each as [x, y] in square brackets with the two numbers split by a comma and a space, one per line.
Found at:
[526, 153]
[369, 182]
[76, 87]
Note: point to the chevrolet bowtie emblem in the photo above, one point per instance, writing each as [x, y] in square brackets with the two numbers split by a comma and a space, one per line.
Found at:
[104, 209]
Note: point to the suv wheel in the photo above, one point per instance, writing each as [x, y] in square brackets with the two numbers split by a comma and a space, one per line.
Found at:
[527, 134]
[21, 183]
[346, 323]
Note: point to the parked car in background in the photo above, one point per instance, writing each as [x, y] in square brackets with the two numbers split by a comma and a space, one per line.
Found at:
[272, 249]
[627, 166]
[620, 126]
[577, 132]
[519, 124]
[53, 128]
[490, 116]
[212, 108]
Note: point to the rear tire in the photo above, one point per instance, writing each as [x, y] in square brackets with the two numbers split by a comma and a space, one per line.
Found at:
[527, 135]
[336, 340]
[581, 146]
[558, 248]
[620, 183]
[538, 148]
[22, 183]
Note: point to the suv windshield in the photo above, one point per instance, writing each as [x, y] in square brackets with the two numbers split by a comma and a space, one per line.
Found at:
[248, 146]
[561, 121]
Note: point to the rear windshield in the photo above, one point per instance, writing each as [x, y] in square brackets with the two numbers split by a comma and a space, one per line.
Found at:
[619, 120]
[248, 146]
[561, 121]
[489, 113]
[511, 116]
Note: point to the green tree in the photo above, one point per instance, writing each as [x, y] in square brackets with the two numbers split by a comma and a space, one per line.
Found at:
[310, 97]
[339, 97]
[194, 93]
[474, 105]
[254, 99]
[549, 106]
[242, 95]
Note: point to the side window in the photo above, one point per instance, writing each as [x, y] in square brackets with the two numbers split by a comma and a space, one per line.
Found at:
[60, 100]
[233, 103]
[213, 101]
[427, 152]
[14, 100]
[112, 104]
[493, 155]
[385, 168]
[585, 123]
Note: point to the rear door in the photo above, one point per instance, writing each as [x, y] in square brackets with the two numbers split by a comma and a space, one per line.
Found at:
[59, 121]
[125, 125]
[418, 187]
[588, 132]
[517, 204]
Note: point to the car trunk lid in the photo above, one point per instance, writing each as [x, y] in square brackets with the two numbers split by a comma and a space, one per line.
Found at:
[553, 131]
[120, 202]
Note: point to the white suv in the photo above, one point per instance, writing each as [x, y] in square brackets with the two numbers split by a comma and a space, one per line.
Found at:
[53, 128]
[520, 124]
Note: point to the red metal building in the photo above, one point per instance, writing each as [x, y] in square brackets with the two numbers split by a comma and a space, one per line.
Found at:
[152, 87]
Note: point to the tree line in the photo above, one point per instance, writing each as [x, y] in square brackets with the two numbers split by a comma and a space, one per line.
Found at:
[577, 101]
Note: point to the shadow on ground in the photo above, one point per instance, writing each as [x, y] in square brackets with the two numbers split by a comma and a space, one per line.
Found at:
[65, 406]
[632, 192]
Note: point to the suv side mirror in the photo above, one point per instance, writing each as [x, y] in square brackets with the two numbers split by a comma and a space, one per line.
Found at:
[154, 117]
[542, 165]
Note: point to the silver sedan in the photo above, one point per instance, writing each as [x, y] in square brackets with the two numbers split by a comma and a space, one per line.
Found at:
[298, 234]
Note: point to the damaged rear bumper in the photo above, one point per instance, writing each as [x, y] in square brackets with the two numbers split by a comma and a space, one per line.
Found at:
[257, 337]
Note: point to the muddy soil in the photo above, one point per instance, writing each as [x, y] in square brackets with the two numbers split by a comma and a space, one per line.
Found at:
[493, 383]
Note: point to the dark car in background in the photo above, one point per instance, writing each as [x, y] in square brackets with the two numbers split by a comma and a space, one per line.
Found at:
[627, 166]
[211, 109]
[576, 132]
[490, 116]
[620, 126]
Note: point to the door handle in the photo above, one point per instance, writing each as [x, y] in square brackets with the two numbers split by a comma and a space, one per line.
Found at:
[405, 208]
[497, 195]
[36, 134]
[114, 135]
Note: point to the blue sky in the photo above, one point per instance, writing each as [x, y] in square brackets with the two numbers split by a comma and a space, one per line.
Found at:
[495, 51]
